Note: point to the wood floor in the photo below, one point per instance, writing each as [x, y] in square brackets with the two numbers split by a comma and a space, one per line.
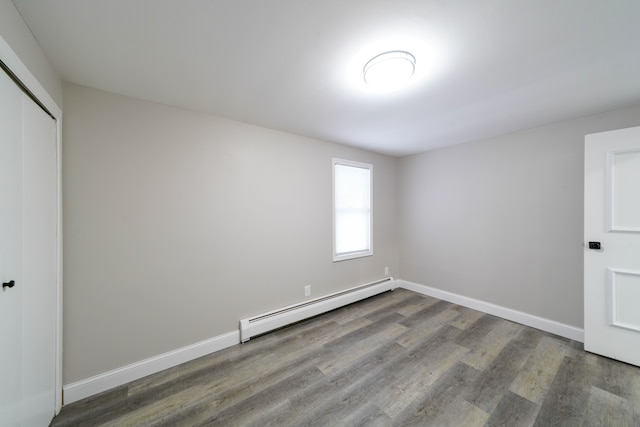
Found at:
[397, 359]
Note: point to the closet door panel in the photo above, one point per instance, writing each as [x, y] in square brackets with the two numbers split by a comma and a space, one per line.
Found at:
[28, 259]
[10, 252]
[39, 265]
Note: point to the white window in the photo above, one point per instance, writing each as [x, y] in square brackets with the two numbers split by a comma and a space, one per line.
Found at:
[351, 209]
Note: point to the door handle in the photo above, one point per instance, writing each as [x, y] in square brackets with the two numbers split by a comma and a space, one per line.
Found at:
[9, 284]
[595, 245]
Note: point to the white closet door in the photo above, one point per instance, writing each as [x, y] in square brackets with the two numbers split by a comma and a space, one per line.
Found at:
[39, 265]
[10, 252]
[28, 260]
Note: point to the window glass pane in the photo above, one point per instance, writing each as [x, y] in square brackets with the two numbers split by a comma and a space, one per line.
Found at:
[352, 204]
[352, 187]
[352, 231]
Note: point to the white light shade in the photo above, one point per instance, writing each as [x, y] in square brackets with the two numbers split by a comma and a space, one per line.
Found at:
[389, 69]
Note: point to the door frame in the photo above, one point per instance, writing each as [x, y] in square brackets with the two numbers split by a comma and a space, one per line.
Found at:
[20, 70]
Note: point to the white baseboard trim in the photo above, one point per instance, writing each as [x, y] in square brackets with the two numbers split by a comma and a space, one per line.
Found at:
[102, 382]
[541, 323]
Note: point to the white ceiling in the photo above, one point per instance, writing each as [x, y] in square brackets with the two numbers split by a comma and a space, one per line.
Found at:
[484, 67]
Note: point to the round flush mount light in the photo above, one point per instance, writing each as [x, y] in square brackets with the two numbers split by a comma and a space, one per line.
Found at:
[390, 69]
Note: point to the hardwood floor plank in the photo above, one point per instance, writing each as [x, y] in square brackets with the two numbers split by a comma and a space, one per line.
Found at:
[360, 346]
[529, 338]
[477, 330]
[366, 332]
[396, 302]
[486, 349]
[431, 310]
[244, 410]
[616, 378]
[344, 402]
[607, 409]
[414, 305]
[494, 382]
[466, 317]
[467, 415]
[413, 379]
[159, 410]
[424, 329]
[535, 379]
[513, 411]
[566, 400]
[369, 416]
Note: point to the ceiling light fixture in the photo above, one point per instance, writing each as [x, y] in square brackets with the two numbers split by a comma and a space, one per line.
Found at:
[390, 69]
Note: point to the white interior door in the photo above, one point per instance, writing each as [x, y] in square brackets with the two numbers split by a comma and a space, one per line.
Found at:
[10, 252]
[28, 260]
[612, 219]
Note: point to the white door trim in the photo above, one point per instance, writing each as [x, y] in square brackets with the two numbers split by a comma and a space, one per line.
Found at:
[15, 64]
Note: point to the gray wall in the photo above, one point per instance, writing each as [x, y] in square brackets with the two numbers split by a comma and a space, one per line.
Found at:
[501, 220]
[17, 35]
[178, 224]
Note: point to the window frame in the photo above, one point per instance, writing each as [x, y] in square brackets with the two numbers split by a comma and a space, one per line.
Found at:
[361, 253]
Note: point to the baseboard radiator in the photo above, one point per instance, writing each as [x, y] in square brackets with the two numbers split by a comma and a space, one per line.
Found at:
[257, 325]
